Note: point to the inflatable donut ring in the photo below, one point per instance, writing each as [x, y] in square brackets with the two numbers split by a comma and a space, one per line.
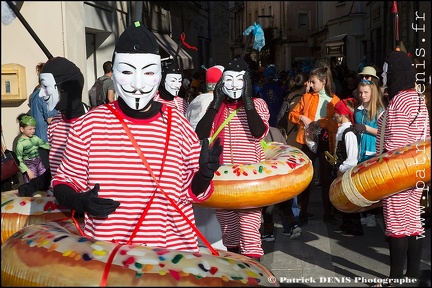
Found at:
[54, 254]
[18, 212]
[285, 173]
[362, 187]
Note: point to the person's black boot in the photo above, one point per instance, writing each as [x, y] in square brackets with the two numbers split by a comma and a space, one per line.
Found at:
[398, 254]
[414, 257]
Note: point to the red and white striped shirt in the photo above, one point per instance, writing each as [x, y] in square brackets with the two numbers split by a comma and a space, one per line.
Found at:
[58, 131]
[239, 145]
[177, 103]
[407, 122]
[402, 110]
[99, 151]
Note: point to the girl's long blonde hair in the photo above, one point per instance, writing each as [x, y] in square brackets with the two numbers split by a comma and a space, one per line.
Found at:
[375, 103]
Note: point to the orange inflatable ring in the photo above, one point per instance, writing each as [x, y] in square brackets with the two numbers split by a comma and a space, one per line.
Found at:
[18, 212]
[54, 254]
[285, 173]
[362, 187]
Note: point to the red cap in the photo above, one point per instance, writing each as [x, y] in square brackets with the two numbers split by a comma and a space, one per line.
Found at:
[213, 74]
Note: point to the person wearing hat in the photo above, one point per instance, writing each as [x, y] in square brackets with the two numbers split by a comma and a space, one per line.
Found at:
[198, 106]
[369, 73]
[404, 122]
[170, 86]
[241, 122]
[135, 166]
[27, 146]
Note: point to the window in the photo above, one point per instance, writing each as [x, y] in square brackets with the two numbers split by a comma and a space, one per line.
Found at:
[303, 20]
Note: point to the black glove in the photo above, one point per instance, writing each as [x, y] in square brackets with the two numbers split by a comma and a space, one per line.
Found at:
[209, 163]
[360, 127]
[209, 158]
[85, 202]
[218, 96]
[247, 93]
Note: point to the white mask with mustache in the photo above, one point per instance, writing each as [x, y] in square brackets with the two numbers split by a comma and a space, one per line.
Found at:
[233, 84]
[173, 83]
[136, 77]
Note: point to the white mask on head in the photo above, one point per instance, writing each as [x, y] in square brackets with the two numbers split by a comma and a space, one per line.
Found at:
[173, 83]
[136, 77]
[49, 90]
[233, 84]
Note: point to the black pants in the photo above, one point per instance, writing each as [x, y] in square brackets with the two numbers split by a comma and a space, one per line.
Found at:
[325, 178]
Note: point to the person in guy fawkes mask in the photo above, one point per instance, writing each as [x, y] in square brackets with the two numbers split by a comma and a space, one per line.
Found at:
[114, 188]
[405, 121]
[172, 78]
[240, 138]
[61, 88]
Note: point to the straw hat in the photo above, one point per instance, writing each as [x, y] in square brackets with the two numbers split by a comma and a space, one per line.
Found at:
[369, 70]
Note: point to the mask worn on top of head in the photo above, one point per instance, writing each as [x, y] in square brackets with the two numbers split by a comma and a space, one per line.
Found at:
[136, 66]
[233, 79]
[66, 93]
[49, 90]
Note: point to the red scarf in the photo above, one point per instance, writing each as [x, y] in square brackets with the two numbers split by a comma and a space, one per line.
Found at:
[342, 109]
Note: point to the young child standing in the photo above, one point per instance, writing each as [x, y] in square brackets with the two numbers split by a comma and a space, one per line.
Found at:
[346, 158]
[27, 148]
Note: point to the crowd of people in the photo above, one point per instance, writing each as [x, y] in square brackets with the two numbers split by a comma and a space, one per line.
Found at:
[175, 132]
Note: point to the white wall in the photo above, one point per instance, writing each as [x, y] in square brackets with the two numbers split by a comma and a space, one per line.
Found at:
[52, 22]
[61, 27]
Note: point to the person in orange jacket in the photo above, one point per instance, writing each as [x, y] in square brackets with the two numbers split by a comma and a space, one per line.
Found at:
[317, 108]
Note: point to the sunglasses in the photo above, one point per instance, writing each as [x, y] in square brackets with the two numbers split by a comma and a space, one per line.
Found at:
[366, 81]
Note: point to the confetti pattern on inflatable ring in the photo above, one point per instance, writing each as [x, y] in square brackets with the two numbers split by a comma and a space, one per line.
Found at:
[58, 240]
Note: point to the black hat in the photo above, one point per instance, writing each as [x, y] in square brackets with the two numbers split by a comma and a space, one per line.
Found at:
[237, 64]
[62, 69]
[69, 77]
[171, 68]
[401, 73]
[137, 39]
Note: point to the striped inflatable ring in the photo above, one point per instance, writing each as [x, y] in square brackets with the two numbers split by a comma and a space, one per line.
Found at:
[362, 187]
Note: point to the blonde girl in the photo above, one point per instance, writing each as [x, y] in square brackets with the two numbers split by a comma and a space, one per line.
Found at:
[366, 117]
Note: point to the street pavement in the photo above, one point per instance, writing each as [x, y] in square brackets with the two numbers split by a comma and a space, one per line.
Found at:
[321, 257]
